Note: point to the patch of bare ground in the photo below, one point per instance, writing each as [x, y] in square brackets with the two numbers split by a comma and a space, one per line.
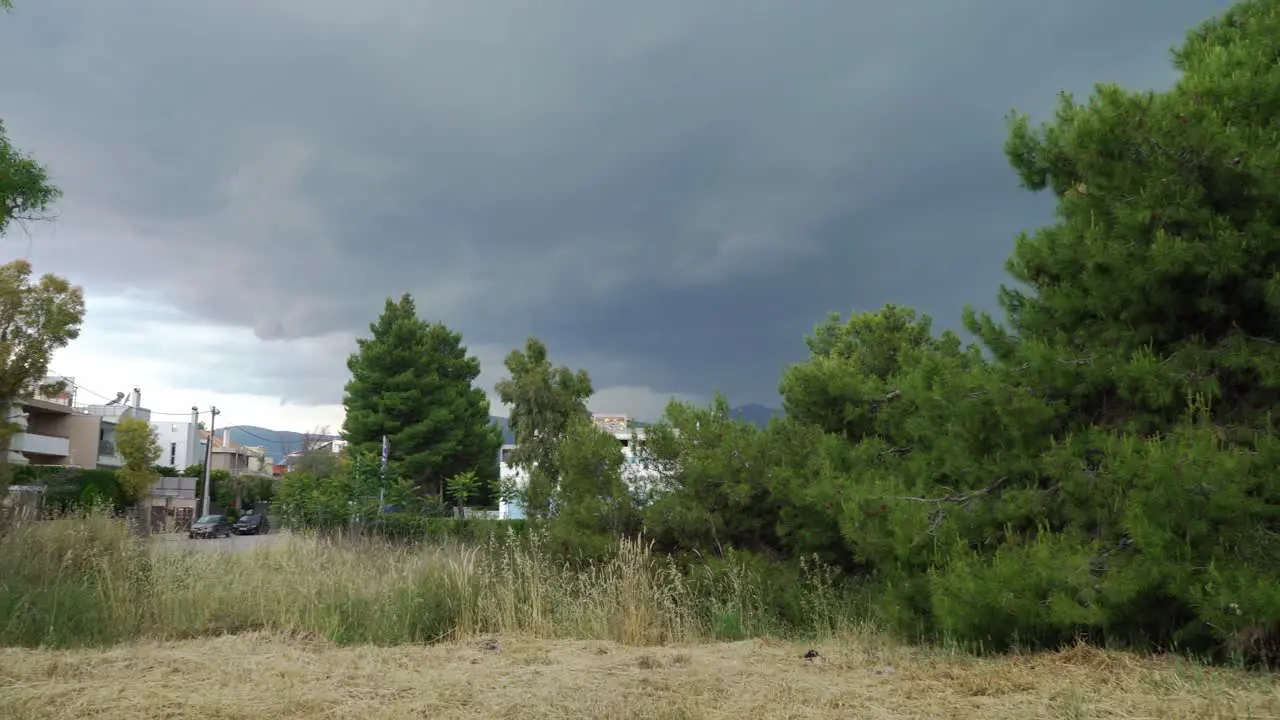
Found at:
[272, 676]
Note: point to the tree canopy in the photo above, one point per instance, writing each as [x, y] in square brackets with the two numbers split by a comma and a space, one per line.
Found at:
[36, 318]
[544, 402]
[137, 444]
[26, 192]
[414, 382]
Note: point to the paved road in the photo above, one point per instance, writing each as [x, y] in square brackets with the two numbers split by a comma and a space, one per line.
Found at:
[235, 543]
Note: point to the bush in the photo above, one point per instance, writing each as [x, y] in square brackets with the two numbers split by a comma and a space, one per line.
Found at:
[69, 488]
[405, 527]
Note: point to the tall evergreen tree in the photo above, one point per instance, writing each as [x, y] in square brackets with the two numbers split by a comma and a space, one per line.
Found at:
[1161, 275]
[1148, 324]
[414, 382]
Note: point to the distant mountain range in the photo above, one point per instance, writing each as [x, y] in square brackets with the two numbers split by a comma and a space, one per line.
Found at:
[279, 443]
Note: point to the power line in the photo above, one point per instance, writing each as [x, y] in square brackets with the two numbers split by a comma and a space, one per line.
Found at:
[285, 445]
[95, 393]
[259, 437]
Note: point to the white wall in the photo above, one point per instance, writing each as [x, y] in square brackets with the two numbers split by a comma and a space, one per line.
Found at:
[182, 438]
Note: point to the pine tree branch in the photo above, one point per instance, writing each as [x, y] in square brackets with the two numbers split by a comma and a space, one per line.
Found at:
[939, 513]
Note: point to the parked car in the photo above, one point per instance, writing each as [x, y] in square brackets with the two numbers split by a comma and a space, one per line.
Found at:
[210, 526]
[252, 524]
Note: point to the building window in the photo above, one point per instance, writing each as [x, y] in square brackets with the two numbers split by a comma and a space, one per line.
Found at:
[173, 454]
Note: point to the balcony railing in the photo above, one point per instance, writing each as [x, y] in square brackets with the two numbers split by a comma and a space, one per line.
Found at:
[106, 448]
[113, 411]
[41, 443]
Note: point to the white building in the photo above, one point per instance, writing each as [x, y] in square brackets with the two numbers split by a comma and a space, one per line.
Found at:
[630, 436]
[180, 445]
[335, 445]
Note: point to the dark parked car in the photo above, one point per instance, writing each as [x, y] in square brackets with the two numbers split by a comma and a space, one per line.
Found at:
[253, 524]
[210, 526]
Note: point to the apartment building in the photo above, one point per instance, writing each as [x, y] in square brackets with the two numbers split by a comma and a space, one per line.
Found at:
[181, 444]
[53, 429]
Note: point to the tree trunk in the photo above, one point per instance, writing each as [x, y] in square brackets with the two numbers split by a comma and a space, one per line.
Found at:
[7, 430]
[139, 516]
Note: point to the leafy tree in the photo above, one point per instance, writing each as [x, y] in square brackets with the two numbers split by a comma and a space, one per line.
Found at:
[593, 501]
[544, 402]
[306, 501]
[26, 192]
[36, 318]
[253, 489]
[137, 444]
[413, 382]
[223, 489]
[463, 487]
[316, 456]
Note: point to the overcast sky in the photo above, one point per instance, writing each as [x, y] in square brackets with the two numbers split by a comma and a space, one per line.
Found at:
[670, 193]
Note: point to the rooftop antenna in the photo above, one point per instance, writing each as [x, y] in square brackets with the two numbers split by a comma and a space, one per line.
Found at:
[119, 397]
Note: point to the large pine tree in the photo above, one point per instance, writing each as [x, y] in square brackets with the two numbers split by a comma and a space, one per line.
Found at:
[414, 382]
[1148, 325]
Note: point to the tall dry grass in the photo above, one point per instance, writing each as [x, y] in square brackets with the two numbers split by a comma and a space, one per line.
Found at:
[88, 582]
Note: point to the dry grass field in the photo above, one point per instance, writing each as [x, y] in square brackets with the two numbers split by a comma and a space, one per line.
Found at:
[272, 676]
[95, 624]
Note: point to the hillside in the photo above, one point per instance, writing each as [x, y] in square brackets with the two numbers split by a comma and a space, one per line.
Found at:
[282, 442]
[277, 442]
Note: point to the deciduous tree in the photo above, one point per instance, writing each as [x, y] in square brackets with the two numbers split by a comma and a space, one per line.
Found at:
[316, 456]
[137, 444]
[26, 192]
[414, 382]
[36, 318]
[463, 487]
[544, 401]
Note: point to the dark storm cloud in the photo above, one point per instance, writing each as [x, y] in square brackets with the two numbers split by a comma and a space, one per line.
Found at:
[678, 188]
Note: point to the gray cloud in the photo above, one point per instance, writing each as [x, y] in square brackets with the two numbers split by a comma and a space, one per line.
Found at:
[676, 190]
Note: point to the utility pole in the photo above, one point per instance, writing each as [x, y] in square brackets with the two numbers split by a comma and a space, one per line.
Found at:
[188, 448]
[208, 459]
[382, 481]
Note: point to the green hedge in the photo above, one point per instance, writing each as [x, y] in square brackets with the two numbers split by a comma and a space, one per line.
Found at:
[68, 488]
[415, 528]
